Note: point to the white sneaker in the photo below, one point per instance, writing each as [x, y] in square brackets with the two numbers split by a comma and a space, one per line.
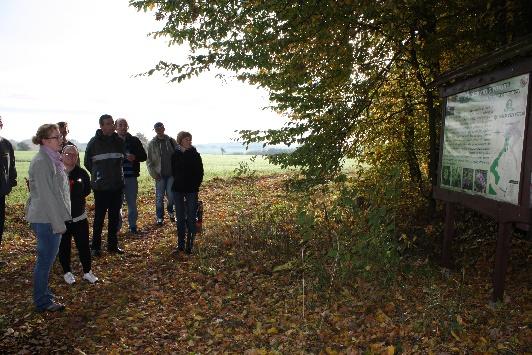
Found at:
[89, 276]
[69, 278]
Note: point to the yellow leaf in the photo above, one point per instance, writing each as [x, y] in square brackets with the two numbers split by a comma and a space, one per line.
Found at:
[459, 319]
[454, 335]
[258, 329]
[273, 330]
[196, 317]
[390, 350]
[330, 351]
[287, 266]
[381, 317]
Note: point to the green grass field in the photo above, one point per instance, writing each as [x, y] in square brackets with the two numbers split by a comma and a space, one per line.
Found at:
[214, 165]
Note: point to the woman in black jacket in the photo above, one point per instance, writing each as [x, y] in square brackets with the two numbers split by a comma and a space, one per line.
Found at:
[80, 188]
[187, 170]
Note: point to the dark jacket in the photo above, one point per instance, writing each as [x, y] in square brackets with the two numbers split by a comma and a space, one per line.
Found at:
[187, 170]
[103, 159]
[8, 172]
[80, 187]
[133, 145]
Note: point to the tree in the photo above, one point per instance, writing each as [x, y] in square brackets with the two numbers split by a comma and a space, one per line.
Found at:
[142, 139]
[23, 146]
[353, 76]
[222, 150]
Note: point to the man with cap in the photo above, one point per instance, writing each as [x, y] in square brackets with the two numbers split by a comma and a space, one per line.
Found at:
[159, 163]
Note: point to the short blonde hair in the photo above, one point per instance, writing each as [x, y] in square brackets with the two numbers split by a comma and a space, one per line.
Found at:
[182, 135]
[43, 132]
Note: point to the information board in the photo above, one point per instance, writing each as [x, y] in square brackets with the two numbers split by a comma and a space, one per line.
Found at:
[483, 139]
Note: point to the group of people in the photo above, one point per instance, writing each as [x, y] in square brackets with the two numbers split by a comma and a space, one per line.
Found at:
[58, 187]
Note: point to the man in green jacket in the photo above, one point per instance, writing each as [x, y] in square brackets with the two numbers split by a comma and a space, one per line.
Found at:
[159, 163]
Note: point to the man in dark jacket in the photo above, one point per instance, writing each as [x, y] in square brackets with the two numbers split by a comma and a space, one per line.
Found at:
[104, 157]
[8, 178]
[135, 154]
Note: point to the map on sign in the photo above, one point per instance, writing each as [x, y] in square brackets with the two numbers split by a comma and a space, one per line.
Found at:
[483, 140]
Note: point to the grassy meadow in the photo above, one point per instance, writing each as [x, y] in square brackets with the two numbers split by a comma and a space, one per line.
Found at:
[215, 166]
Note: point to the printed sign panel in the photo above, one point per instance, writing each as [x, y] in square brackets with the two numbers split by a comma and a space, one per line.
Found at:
[483, 140]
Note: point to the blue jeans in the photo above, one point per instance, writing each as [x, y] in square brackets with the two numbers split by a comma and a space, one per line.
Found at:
[162, 186]
[47, 248]
[131, 189]
[186, 204]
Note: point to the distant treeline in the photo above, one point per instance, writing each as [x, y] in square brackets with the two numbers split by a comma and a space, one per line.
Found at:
[231, 148]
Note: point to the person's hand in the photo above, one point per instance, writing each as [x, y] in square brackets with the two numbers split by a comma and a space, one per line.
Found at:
[130, 157]
[158, 177]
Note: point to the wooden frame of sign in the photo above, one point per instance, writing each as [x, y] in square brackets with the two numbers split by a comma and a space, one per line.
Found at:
[486, 149]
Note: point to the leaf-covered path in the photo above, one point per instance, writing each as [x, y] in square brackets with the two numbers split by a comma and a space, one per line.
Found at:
[217, 301]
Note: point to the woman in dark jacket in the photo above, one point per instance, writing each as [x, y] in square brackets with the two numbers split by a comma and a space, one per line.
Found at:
[187, 170]
[80, 188]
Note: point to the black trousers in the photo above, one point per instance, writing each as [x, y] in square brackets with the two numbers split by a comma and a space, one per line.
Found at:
[2, 215]
[106, 202]
[80, 231]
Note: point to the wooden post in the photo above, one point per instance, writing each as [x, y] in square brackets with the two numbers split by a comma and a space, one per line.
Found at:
[448, 234]
[501, 260]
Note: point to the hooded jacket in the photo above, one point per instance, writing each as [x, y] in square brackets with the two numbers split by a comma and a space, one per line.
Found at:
[154, 154]
[187, 170]
[104, 156]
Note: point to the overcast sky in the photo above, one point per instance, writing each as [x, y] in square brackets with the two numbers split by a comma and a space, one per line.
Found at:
[73, 60]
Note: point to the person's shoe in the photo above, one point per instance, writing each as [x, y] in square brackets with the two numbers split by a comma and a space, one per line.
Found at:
[116, 250]
[159, 221]
[133, 230]
[69, 278]
[96, 253]
[89, 276]
[54, 307]
[171, 216]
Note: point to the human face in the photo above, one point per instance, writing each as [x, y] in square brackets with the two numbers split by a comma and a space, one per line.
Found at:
[70, 156]
[108, 126]
[186, 142]
[121, 127]
[64, 131]
[159, 131]
[54, 140]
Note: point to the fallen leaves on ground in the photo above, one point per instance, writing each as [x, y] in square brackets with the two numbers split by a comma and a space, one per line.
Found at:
[215, 301]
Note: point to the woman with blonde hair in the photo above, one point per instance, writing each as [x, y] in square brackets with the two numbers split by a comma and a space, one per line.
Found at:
[47, 210]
